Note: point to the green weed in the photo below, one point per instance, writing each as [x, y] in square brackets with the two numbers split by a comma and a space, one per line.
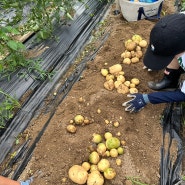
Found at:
[7, 108]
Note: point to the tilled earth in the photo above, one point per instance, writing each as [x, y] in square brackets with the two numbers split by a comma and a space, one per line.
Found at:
[58, 149]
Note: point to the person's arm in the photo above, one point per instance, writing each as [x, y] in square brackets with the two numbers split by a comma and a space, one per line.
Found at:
[8, 181]
[140, 100]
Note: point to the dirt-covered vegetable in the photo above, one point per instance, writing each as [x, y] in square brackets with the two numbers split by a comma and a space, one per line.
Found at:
[109, 173]
[127, 83]
[134, 59]
[104, 72]
[93, 167]
[110, 77]
[135, 81]
[95, 178]
[118, 162]
[120, 150]
[78, 174]
[113, 152]
[109, 84]
[107, 135]
[71, 128]
[123, 89]
[94, 157]
[136, 38]
[120, 78]
[86, 166]
[96, 138]
[133, 90]
[132, 85]
[139, 54]
[115, 68]
[103, 164]
[79, 119]
[143, 43]
[117, 84]
[101, 148]
[112, 142]
[116, 124]
[126, 54]
[127, 61]
[130, 46]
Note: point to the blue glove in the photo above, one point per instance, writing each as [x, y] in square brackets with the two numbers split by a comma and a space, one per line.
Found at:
[137, 103]
[27, 182]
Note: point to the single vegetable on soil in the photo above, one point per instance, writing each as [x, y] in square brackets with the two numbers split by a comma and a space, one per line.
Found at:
[78, 174]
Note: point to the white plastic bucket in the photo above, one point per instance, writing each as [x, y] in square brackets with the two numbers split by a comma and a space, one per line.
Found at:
[130, 9]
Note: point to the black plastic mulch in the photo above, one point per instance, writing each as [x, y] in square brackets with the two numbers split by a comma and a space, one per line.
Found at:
[172, 149]
[60, 55]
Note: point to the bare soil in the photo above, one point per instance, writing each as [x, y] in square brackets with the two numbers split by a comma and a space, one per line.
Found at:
[58, 149]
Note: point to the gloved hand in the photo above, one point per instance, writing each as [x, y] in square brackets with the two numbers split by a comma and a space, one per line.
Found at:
[137, 103]
[27, 182]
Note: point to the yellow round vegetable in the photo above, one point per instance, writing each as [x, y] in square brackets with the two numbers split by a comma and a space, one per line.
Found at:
[121, 73]
[135, 81]
[94, 157]
[107, 153]
[103, 164]
[120, 150]
[104, 72]
[117, 83]
[120, 78]
[107, 135]
[139, 54]
[134, 59]
[79, 119]
[136, 38]
[96, 138]
[118, 162]
[86, 166]
[143, 43]
[127, 83]
[116, 124]
[127, 54]
[138, 48]
[132, 85]
[127, 61]
[133, 54]
[127, 41]
[115, 68]
[95, 178]
[133, 90]
[78, 174]
[71, 128]
[113, 152]
[101, 148]
[109, 85]
[94, 167]
[110, 77]
[109, 173]
[112, 142]
[123, 55]
[123, 89]
[130, 46]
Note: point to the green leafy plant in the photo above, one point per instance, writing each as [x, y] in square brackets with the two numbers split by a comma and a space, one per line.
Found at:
[7, 108]
[40, 17]
[183, 5]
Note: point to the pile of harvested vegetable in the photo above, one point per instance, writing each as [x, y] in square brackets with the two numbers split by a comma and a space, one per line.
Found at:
[98, 166]
[59, 149]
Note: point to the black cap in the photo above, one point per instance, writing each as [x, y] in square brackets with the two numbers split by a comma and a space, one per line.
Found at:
[167, 39]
